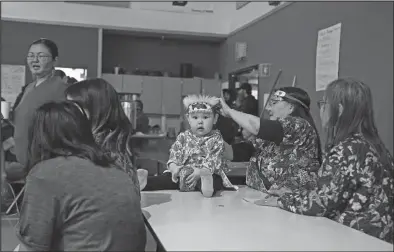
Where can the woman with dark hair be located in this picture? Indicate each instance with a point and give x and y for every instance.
(355, 181)
(111, 128)
(41, 59)
(287, 145)
(299, 102)
(69, 202)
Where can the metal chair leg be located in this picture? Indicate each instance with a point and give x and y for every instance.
(15, 200)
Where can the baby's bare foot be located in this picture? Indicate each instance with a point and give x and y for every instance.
(206, 183)
(142, 178)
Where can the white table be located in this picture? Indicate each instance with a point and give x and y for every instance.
(188, 222)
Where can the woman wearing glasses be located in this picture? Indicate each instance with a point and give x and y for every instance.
(355, 181)
(41, 59)
(287, 145)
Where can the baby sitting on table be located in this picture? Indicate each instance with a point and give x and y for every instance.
(198, 152)
(196, 159)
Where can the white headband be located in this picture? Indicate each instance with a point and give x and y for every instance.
(281, 94)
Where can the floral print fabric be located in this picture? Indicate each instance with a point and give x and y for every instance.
(354, 188)
(191, 151)
(291, 164)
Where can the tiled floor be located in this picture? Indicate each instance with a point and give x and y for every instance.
(9, 240)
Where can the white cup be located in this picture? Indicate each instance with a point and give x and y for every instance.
(5, 109)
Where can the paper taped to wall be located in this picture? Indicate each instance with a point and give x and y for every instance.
(13, 78)
(327, 56)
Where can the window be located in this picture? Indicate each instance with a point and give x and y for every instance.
(79, 74)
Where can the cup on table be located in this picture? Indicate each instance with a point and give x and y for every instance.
(5, 109)
(116, 70)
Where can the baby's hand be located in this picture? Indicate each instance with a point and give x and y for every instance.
(174, 169)
(194, 176)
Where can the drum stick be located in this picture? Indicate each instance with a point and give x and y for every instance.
(272, 90)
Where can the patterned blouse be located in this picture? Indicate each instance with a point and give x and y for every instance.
(291, 161)
(354, 188)
(191, 151)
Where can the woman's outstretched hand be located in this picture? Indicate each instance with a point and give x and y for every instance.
(271, 202)
(225, 110)
(279, 192)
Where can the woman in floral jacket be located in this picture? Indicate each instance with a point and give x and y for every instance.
(287, 145)
(355, 181)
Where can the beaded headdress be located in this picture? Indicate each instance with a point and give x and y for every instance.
(279, 95)
(200, 104)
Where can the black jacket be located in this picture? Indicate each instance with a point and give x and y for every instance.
(249, 105)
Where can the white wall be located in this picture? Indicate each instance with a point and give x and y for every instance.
(248, 13)
(111, 17)
(142, 16)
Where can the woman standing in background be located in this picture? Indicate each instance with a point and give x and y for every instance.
(41, 60)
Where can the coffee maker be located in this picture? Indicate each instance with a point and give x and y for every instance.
(130, 107)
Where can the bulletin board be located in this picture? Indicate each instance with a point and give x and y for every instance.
(13, 78)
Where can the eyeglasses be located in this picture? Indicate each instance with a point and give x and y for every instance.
(40, 57)
(274, 100)
(321, 103)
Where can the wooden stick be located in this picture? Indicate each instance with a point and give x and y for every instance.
(294, 81)
(272, 90)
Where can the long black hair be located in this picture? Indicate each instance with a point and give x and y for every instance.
(302, 111)
(110, 126)
(62, 129)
